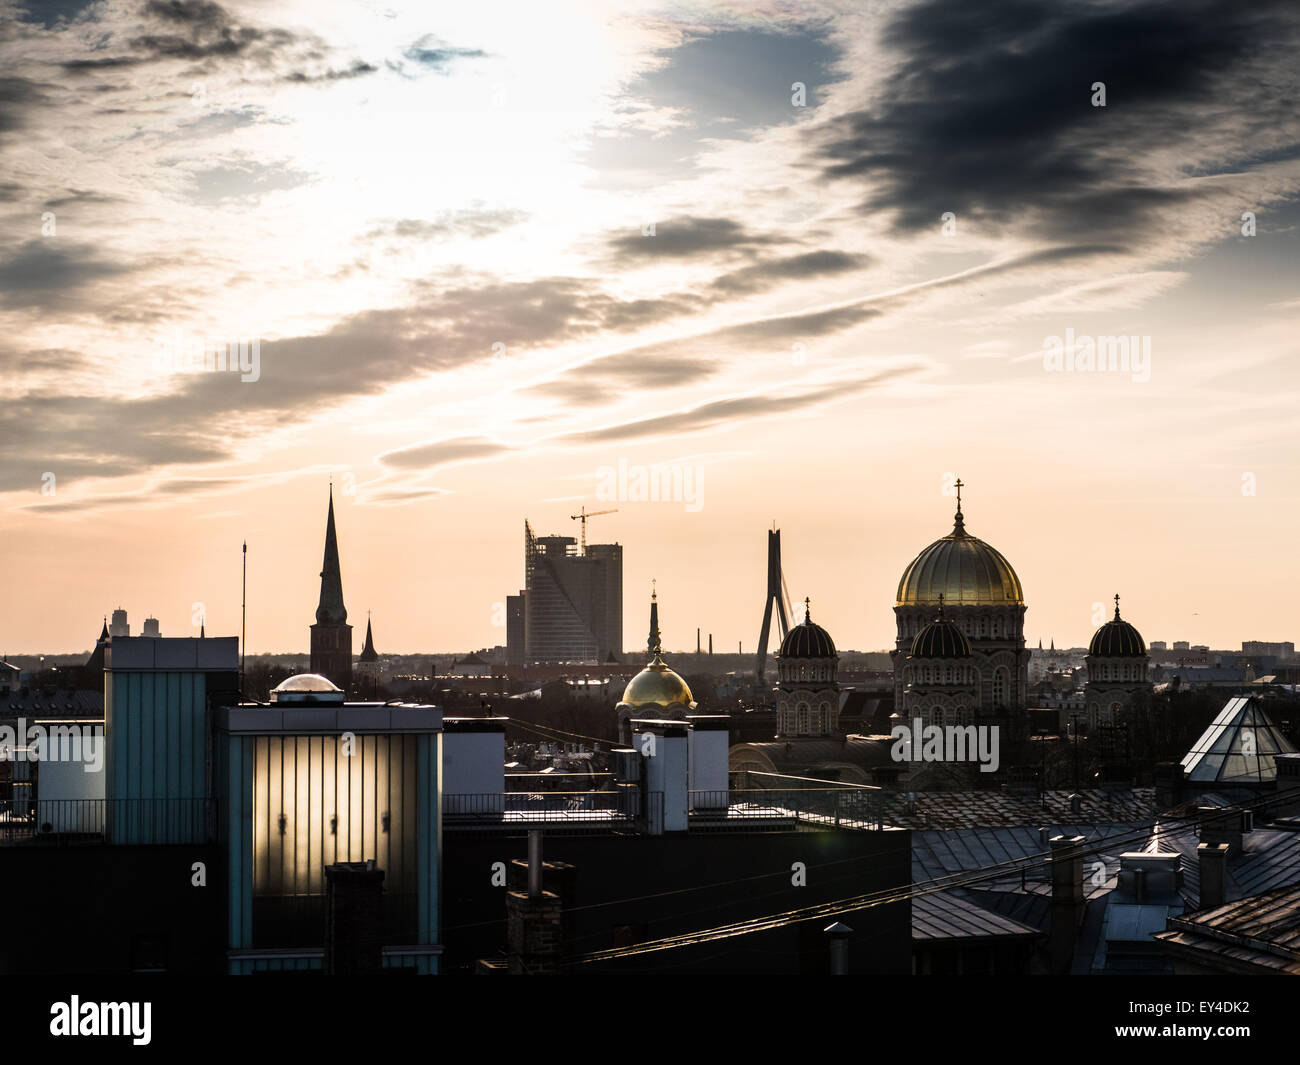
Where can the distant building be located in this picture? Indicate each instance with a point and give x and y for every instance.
(1158, 645)
(981, 594)
(656, 692)
(331, 636)
(1261, 649)
(940, 679)
(515, 629)
(368, 663)
(119, 626)
(1182, 645)
(807, 693)
(1118, 673)
(150, 628)
(573, 603)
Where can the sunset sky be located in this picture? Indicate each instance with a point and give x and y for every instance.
(493, 250)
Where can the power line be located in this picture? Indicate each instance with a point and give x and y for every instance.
(871, 900)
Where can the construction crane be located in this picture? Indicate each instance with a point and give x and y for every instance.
(582, 516)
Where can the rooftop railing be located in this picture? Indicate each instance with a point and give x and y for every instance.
(571, 812)
(122, 821)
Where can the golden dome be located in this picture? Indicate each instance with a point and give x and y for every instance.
(964, 570)
(657, 685)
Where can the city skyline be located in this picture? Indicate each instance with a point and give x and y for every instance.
(809, 270)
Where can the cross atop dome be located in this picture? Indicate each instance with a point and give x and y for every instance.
(807, 610)
(957, 524)
(1117, 606)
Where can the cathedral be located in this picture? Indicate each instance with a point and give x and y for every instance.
(966, 587)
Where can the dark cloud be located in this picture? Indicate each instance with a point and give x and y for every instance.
(17, 97)
(689, 238)
(358, 69)
(763, 275)
(989, 113)
(50, 273)
(191, 30)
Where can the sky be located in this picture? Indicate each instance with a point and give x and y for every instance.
(788, 263)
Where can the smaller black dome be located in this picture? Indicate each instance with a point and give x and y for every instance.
(1117, 639)
(942, 638)
(807, 640)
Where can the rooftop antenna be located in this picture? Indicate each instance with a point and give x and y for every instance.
(243, 620)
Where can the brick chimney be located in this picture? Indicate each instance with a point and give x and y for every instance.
(534, 921)
(1068, 900)
(1213, 861)
(354, 919)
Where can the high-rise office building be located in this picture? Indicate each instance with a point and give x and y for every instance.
(573, 602)
(119, 625)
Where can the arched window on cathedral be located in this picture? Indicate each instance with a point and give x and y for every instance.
(999, 687)
(803, 719)
(824, 712)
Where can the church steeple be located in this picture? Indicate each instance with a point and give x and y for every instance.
(331, 636)
(331, 610)
(368, 652)
(653, 645)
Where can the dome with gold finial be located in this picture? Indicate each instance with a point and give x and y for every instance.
(960, 570)
(656, 687)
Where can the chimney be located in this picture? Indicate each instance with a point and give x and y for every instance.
(839, 934)
(1221, 824)
(354, 918)
(710, 643)
(1067, 901)
(1076, 803)
(1169, 785)
(534, 921)
(1212, 858)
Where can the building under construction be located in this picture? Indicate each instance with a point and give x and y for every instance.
(572, 602)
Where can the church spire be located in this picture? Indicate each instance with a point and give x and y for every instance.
(653, 645)
(958, 523)
(368, 652)
(331, 610)
(1116, 606)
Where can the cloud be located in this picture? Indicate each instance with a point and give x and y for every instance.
(444, 452)
(720, 413)
(686, 237)
(988, 112)
(436, 54)
(51, 273)
(472, 223)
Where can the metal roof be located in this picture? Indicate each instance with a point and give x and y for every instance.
(945, 916)
(1262, 931)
